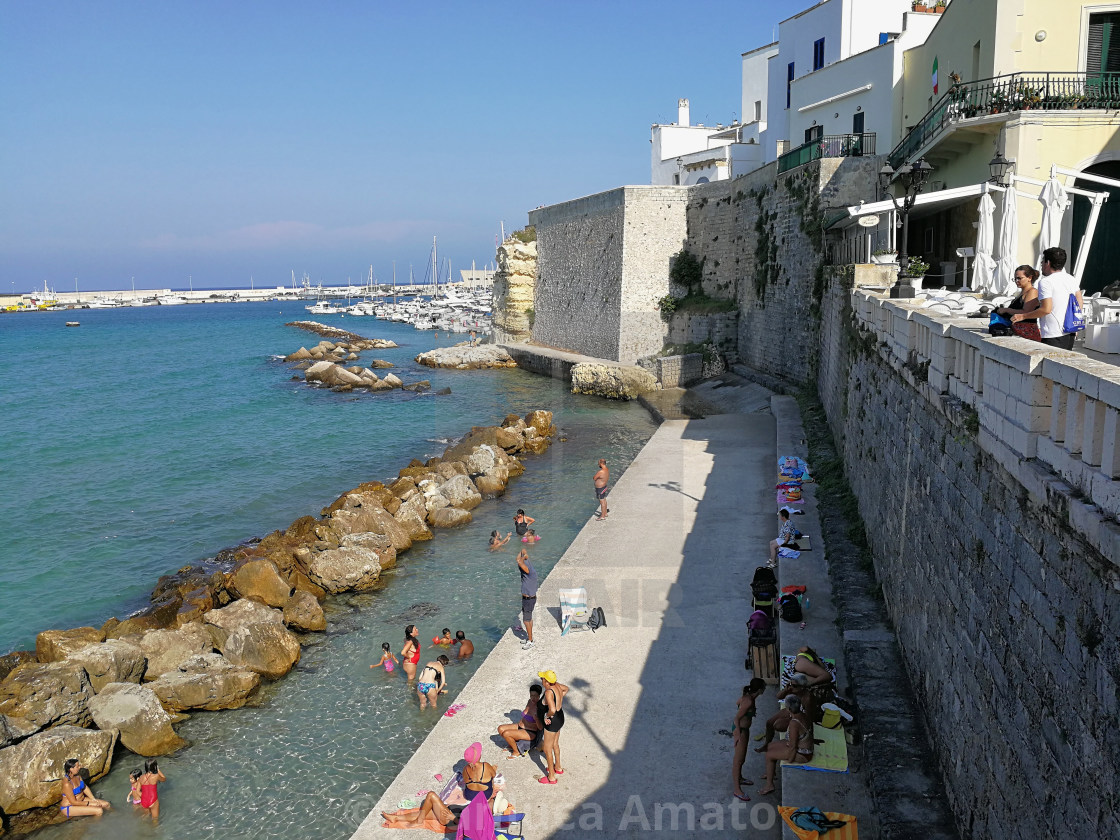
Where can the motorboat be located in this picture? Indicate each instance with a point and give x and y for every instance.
(323, 308)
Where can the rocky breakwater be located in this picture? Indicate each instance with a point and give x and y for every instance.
(323, 365)
(465, 357)
(211, 635)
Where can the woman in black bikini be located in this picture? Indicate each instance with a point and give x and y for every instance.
(551, 713)
(796, 749)
(744, 714)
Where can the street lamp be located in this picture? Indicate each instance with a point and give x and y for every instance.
(680, 170)
(913, 177)
(999, 165)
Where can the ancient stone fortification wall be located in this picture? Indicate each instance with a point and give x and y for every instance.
(720, 329)
(603, 264)
(514, 287)
(1002, 580)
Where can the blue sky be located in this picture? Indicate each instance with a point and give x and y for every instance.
(227, 140)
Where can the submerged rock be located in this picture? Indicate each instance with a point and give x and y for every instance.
(136, 713)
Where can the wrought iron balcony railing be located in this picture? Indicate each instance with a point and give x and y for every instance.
(828, 146)
(1013, 92)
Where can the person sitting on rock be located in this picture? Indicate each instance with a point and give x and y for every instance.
(432, 681)
(77, 796)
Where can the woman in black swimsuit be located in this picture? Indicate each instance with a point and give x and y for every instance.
(521, 522)
(550, 712)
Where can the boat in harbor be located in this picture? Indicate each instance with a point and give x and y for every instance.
(323, 307)
(73, 323)
(171, 300)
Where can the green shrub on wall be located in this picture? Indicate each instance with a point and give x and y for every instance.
(527, 234)
(687, 272)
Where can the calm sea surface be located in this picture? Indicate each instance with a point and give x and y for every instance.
(150, 438)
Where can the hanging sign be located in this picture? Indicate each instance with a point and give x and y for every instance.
(868, 221)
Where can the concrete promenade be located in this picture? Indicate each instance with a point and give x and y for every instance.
(671, 567)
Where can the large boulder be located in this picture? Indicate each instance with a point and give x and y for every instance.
(136, 713)
(259, 580)
(433, 498)
(250, 635)
(461, 493)
(542, 421)
(166, 650)
(47, 694)
(300, 355)
(113, 661)
(392, 380)
(10, 661)
(156, 617)
(362, 513)
(56, 645)
(316, 372)
(14, 729)
(413, 517)
(207, 681)
(449, 469)
(615, 382)
(536, 445)
(482, 460)
(489, 487)
(449, 517)
(465, 357)
(509, 439)
(31, 771)
(341, 569)
(303, 612)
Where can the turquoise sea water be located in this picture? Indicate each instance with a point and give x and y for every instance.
(149, 438)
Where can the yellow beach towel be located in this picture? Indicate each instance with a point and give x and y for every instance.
(831, 754)
(848, 832)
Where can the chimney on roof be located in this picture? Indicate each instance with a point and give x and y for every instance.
(682, 112)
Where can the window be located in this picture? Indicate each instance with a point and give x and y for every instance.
(818, 54)
(758, 110)
(789, 82)
(1103, 55)
(857, 122)
(814, 133)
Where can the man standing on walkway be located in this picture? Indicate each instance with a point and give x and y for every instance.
(602, 477)
(1054, 289)
(528, 595)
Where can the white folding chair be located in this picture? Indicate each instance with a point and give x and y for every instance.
(573, 610)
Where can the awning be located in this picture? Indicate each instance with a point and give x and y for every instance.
(924, 205)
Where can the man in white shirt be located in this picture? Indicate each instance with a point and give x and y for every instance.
(1054, 289)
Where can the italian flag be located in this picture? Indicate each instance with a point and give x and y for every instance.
(935, 74)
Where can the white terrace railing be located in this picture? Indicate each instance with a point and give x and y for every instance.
(1051, 417)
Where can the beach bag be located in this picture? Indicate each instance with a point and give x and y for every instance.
(597, 619)
(999, 325)
(1027, 329)
(789, 607)
(1075, 318)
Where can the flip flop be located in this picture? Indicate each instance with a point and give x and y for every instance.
(559, 772)
(745, 782)
(742, 797)
(544, 781)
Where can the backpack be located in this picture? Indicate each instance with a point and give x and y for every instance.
(789, 608)
(999, 325)
(597, 619)
(759, 622)
(1075, 318)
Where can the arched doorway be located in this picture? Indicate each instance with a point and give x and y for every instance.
(1103, 266)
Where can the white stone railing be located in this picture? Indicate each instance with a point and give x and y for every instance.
(1051, 417)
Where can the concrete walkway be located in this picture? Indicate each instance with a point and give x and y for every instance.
(671, 567)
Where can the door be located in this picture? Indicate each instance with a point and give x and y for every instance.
(1103, 266)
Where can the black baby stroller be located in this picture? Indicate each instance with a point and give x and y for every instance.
(764, 590)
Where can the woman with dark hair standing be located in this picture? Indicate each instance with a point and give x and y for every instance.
(410, 653)
(1027, 301)
(149, 788)
(77, 799)
(521, 522)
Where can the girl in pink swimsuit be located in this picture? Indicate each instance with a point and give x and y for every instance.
(387, 659)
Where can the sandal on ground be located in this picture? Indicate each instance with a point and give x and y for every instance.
(742, 797)
(512, 755)
(545, 781)
(558, 772)
(766, 791)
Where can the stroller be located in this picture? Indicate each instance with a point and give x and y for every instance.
(764, 590)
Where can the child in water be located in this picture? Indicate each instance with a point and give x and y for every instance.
(445, 639)
(530, 537)
(134, 793)
(387, 659)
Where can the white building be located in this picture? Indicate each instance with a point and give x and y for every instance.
(688, 154)
(835, 71)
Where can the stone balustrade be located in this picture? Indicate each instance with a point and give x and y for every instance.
(1051, 417)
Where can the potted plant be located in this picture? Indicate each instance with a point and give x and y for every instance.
(884, 256)
(920, 7)
(999, 101)
(915, 269)
(939, 8)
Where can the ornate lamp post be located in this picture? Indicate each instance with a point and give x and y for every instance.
(680, 171)
(913, 177)
(999, 165)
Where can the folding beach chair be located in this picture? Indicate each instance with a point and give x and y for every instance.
(573, 610)
(504, 825)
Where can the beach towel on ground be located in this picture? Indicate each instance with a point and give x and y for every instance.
(831, 755)
(849, 832)
(788, 494)
(792, 467)
(788, 552)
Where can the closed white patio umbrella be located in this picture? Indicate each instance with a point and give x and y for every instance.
(983, 266)
(1054, 198)
(1004, 281)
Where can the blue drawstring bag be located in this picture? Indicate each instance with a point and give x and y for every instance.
(1075, 317)
(999, 325)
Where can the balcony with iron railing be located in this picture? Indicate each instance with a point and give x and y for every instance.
(1007, 94)
(828, 146)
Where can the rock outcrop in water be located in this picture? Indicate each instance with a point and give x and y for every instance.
(336, 332)
(213, 633)
(465, 357)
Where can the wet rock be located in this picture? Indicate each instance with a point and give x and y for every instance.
(464, 357)
(443, 392)
(413, 517)
(259, 580)
(541, 421)
(9, 662)
(156, 617)
(136, 713)
(195, 604)
(253, 636)
(482, 461)
(509, 440)
(380, 363)
(207, 681)
(449, 517)
(166, 650)
(615, 382)
(489, 487)
(56, 645)
(342, 569)
(303, 612)
(461, 493)
(47, 694)
(113, 661)
(425, 609)
(26, 767)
